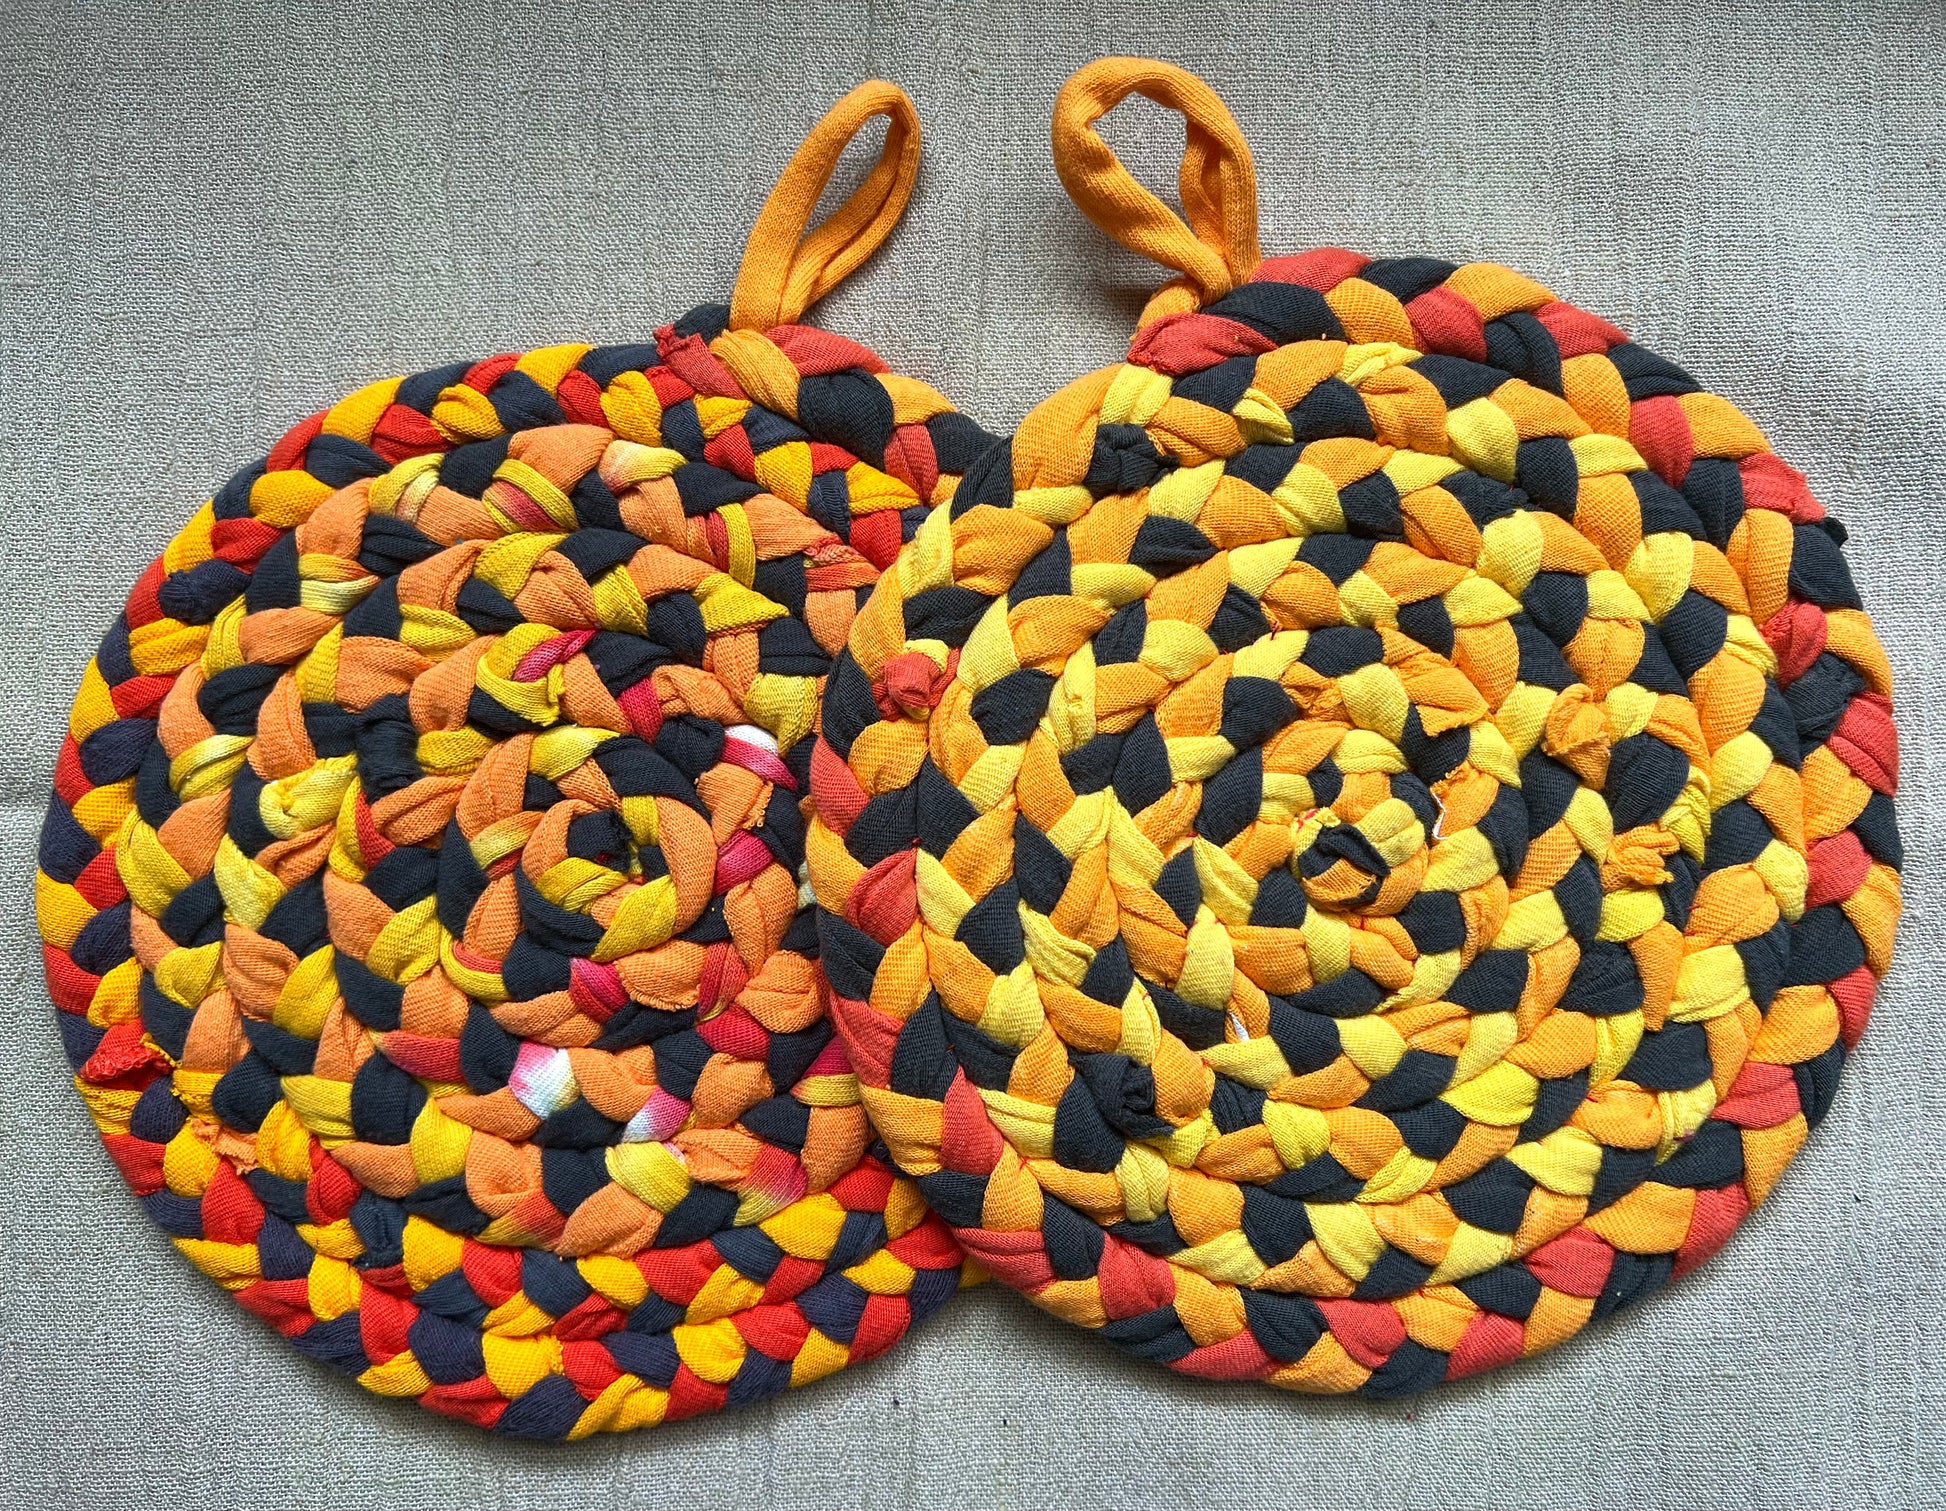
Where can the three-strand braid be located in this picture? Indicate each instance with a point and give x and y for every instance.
(1361, 838)
(420, 890)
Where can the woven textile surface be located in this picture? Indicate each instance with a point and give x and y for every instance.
(216, 225)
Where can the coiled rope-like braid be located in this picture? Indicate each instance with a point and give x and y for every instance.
(1361, 839)
(420, 891)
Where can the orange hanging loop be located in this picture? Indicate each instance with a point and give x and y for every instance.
(1217, 249)
(787, 268)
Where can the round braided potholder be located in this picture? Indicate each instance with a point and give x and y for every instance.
(421, 889)
(1361, 839)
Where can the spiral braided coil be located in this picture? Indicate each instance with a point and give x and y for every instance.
(1359, 842)
(420, 891)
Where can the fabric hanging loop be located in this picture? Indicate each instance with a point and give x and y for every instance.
(1216, 249)
(788, 266)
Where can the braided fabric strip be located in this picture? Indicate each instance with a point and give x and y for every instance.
(1361, 839)
(421, 898)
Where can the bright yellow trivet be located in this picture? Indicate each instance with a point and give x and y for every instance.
(1359, 841)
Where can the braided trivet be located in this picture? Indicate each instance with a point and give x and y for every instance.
(1360, 840)
(420, 891)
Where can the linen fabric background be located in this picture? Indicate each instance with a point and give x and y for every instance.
(218, 217)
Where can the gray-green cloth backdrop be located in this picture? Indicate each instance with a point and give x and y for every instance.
(216, 218)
